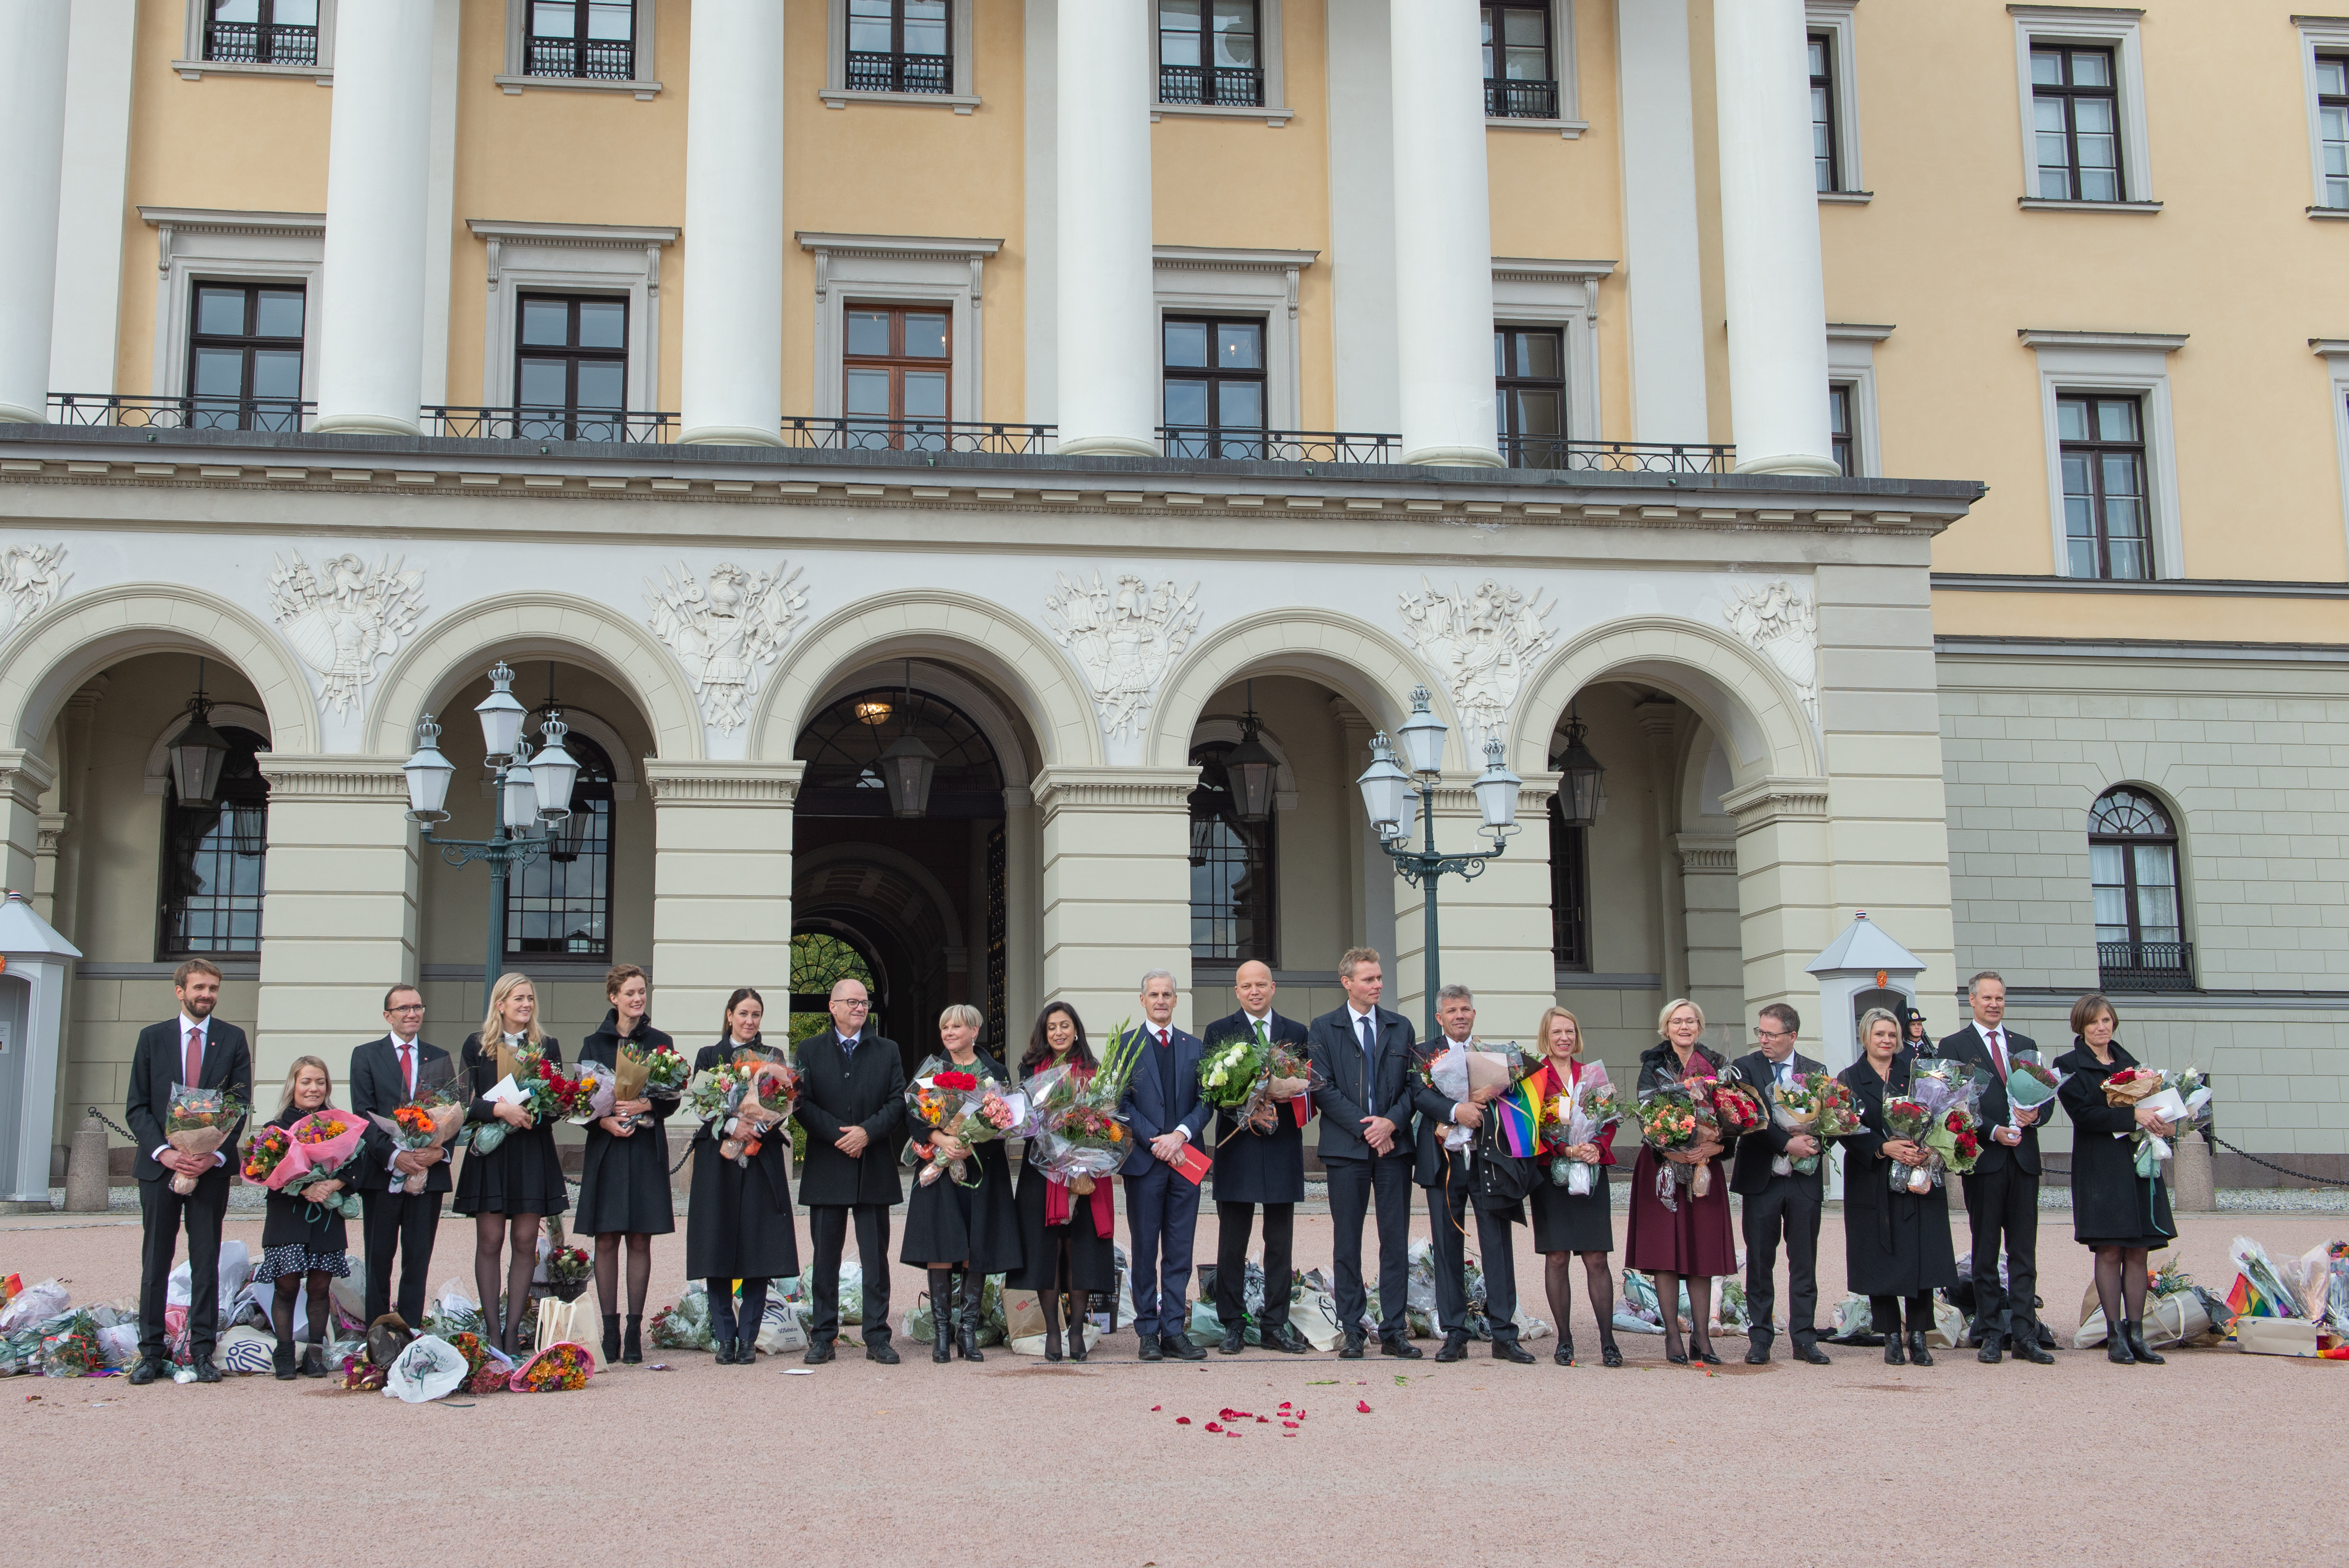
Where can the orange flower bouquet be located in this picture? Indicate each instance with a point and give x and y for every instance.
(428, 1121)
(198, 1122)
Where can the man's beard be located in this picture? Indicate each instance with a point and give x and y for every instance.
(199, 1007)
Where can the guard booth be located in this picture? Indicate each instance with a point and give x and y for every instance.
(1861, 969)
(33, 964)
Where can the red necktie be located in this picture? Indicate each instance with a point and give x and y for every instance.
(195, 1062)
(1163, 1041)
(407, 1068)
(1998, 1052)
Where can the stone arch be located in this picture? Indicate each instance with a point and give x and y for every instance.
(74, 639)
(1739, 695)
(950, 626)
(884, 878)
(450, 653)
(1373, 670)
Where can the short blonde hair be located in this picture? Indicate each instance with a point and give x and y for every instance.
(963, 1013)
(1664, 1018)
(1541, 1030)
(1867, 1022)
(1356, 956)
(286, 1098)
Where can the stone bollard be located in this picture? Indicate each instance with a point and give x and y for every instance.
(86, 1173)
(2191, 1190)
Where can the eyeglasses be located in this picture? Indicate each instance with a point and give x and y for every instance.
(406, 1007)
(1774, 1034)
(855, 1007)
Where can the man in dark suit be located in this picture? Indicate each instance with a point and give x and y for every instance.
(1779, 1200)
(199, 1050)
(853, 1104)
(1360, 1056)
(2002, 1194)
(1263, 1163)
(1444, 1167)
(1162, 1206)
(387, 1074)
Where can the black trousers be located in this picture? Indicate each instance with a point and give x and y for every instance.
(1354, 1184)
(2003, 1206)
(164, 1213)
(828, 1224)
(404, 1223)
(1447, 1216)
(1234, 1221)
(1789, 1207)
(723, 1317)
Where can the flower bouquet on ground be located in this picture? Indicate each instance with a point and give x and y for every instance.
(558, 1368)
(655, 1072)
(1582, 1115)
(568, 1271)
(318, 1166)
(487, 1370)
(1674, 1117)
(2180, 1098)
(198, 1122)
(428, 1122)
(1817, 1105)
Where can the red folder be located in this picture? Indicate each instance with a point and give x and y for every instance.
(1193, 1163)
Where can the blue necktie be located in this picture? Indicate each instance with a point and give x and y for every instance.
(1370, 1059)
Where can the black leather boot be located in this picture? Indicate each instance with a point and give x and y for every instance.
(942, 1315)
(1893, 1355)
(2116, 1346)
(1918, 1356)
(1048, 1303)
(632, 1345)
(611, 1337)
(2135, 1330)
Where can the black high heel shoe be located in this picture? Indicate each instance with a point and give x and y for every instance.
(1675, 1351)
(611, 1338)
(1079, 1303)
(632, 1344)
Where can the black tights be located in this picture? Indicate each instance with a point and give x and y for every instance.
(281, 1306)
(1557, 1273)
(1884, 1312)
(489, 1236)
(608, 1271)
(1667, 1304)
(2121, 1285)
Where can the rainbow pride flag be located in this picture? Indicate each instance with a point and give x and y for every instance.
(1520, 1111)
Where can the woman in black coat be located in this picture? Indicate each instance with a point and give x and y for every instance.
(1896, 1244)
(2118, 1214)
(741, 1225)
(510, 1187)
(1068, 1230)
(299, 1240)
(624, 1176)
(949, 1225)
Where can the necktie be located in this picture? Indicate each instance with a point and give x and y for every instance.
(195, 1063)
(1998, 1052)
(1261, 1040)
(1786, 1073)
(847, 1050)
(1370, 1058)
(407, 1068)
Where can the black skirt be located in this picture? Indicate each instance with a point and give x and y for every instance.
(947, 1222)
(523, 1174)
(1093, 1257)
(1564, 1222)
(739, 1225)
(624, 1182)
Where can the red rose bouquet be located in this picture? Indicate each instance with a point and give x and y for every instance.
(1938, 1115)
(1819, 1106)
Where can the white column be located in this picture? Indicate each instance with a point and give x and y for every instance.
(1444, 235)
(1771, 273)
(1108, 314)
(1660, 233)
(733, 391)
(32, 133)
(378, 165)
(95, 171)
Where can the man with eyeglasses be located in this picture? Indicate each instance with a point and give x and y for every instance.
(1778, 1199)
(387, 1074)
(853, 1104)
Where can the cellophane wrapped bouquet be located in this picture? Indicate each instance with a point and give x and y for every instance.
(320, 1163)
(2031, 1085)
(520, 1067)
(1735, 1105)
(1581, 1115)
(965, 1106)
(1079, 1130)
(1238, 1075)
(198, 1121)
(2180, 1098)
(568, 1270)
(1937, 1114)
(428, 1122)
(1817, 1105)
(755, 1091)
(1456, 1072)
(648, 1072)
(556, 1095)
(1674, 1117)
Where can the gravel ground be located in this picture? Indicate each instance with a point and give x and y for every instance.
(834, 1464)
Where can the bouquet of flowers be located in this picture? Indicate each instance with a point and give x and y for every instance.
(1674, 1117)
(1735, 1104)
(73, 1350)
(952, 1101)
(263, 1152)
(1580, 1116)
(568, 1270)
(1956, 1141)
(770, 1086)
(1457, 1073)
(2030, 1084)
(655, 1072)
(2180, 1098)
(518, 1069)
(326, 1145)
(428, 1121)
(556, 1369)
(1238, 1074)
(1818, 1105)
(1082, 1134)
(1938, 1115)
(551, 1096)
(198, 1121)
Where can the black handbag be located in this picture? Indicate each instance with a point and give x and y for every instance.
(1496, 1173)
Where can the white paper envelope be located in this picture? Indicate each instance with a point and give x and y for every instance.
(507, 1092)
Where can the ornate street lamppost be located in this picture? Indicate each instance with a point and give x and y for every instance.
(1393, 803)
(531, 789)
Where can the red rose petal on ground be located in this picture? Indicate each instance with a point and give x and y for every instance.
(1214, 1427)
(1363, 1407)
(1260, 1420)
(1181, 1420)
(1153, 1407)
(1290, 1425)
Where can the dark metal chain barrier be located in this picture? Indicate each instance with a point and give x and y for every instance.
(99, 1115)
(2271, 1165)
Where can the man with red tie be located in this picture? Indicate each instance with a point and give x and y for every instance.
(2003, 1192)
(387, 1074)
(1162, 1106)
(198, 1049)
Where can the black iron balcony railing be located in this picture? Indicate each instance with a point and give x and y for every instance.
(190, 413)
(1560, 454)
(874, 72)
(2145, 965)
(1238, 86)
(260, 44)
(1512, 99)
(1278, 446)
(596, 60)
(859, 433)
(525, 423)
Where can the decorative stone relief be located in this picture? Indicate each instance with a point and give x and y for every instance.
(727, 632)
(345, 617)
(1778, 622)
(32, 576)
(1125, 640)
(1481, 645)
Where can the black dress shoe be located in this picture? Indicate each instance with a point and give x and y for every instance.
(1992, 1350)
(146, 1372)
(1148, 1347)
(723, 1351)
(205, 1371)
(1179, 1346)
(314, 1361)
(1758, 1353)
(1400, 1347)
(1234, 1340)
(280, 1363)
(1564, 1353)
(1704, 1354)
(1350, 1351)
(2029, 1350)
(1918, 1356)
(1609, 1355)
(1455, 1346)
(1812, 1354)
(882, 1352)
(2133, 1332)
(1893, 1355)
(1676, 1357)
(818, 1351)
(1284, 1338)
(1510, 1350)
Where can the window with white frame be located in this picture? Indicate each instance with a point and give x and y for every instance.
(598, 46)
(1545, 356)
(258, 37)
(2080, 77)
(2112, 454)
(1851, 397)
(1239, 288)
(899, 51)
(1528, 53)
(1217, 59)
(1834, 55)
(2325, 63)
(600, 280)
(272, 253)
(904, 287)
(2334, 352)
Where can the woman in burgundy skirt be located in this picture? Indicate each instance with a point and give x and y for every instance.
(1691, 1240)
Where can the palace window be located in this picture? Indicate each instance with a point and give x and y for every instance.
(897, 365)
(900, 47)
(1840, 438)
(2132, 866)
(261, 32)
(1826, 150)
(590, 39)
(1520, 82)
(2332, 127)
(1208, 53)
(570, 367)
(1231, 871)
(244, 357)
(1529, 395)
(1214, 386)
(2106, 526)
(212, 858)
(2075, 116)
(560, 905)
(1569, 891)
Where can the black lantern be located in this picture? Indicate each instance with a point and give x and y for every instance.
(1579, 773)
(1248, 769)
(909, 765)
(199, 751)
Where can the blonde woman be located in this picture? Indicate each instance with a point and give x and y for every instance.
(1895, 1245)
(299, 1240)
(511, 1188)
(1691, 1241)
(950, 1227)
(1567, 1224)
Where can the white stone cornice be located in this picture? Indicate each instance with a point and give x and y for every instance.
(24, 777)
(347, 777)
(1134, 790)
(1777, 798)
(1701, 854)
(170, 222)
(1539, 270)
(696, 783)
(2049, 337)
